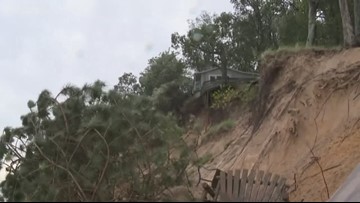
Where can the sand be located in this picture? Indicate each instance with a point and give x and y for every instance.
(312, 128)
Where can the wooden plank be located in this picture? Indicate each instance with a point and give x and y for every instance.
(223, 194)
(229, 184)
(256, 186)
(222, 182)
(217, 191)
(216, 178)
(236, 184)
(264, 185)
(284, 193)
(278, 191)
(270, 189)
(244, 175)
(249, 186)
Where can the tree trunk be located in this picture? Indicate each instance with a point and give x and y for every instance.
(348, 30)
(224, 75)
(357, 20)
(223, 63)
(313, 4)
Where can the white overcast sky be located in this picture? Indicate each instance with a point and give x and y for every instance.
(45, 44)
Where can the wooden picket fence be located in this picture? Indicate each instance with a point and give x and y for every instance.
(242, 186)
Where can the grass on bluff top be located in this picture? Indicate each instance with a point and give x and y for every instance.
(222, 127)
(288, 50)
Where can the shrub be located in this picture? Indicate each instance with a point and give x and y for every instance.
(224, 126)
(224, 97)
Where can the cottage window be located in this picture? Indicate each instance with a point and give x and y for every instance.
(212, 78)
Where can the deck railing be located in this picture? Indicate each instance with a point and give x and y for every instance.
(209, 85)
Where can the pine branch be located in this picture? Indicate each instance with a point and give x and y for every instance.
(13, 149)
(141, 142)
(9, 166)
(78, 145)
(61, 150)
(63, 168)
(106, 163)
(64, 117)
(34, 171)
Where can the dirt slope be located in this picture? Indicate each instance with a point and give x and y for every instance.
(313, 105)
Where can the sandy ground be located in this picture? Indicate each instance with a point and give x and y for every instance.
(313, 127)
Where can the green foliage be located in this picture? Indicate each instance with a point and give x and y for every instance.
(284, 23)
(222, 127)
(290, 50)
(236, 40)
(31, 104)
(128, 85)
(169, 97)
(93, 141)
(198, 125)
(216, 41)
(167, 82)
(261, 19)
(248, 93)
(293, 25)
(162, 69)
(329, 26)
(80, 149)
(223, 97)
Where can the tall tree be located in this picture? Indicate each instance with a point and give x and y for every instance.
(313, 5)
(292, 25)
(128, 85)
(162, 69)
(95, 146)
(329, 24)
(348, 30)
(167, 81)
(222, 41)
(357, 20)
(263, 16)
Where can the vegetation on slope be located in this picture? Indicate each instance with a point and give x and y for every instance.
(88, 144)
